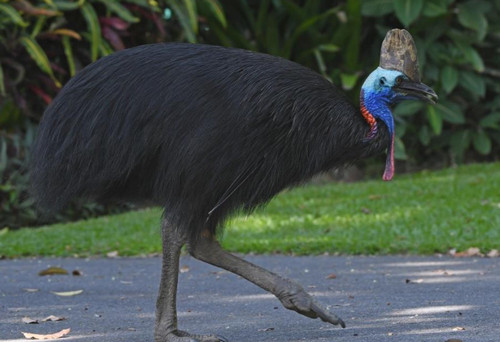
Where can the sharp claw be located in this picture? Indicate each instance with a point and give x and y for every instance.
(327, 317)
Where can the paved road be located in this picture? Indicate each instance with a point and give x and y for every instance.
(445, 298)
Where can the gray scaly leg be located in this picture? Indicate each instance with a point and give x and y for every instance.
(291, 294)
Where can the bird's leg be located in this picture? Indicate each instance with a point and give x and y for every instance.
(291, 294)
(166, 312)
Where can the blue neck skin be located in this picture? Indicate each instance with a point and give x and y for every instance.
(377, 104)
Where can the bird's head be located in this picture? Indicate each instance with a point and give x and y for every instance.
(396, 79)
(388, 87)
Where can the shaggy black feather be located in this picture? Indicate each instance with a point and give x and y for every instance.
(200, 130)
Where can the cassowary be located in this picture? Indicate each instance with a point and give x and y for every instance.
(204, 131)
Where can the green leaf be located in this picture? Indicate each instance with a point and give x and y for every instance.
(434, 8)
(328, 47)
(217, 11)
(408, 10)
(349, 80)
(473, 83)
(491, 121)
(320, 61)
(450, 112)
(459, 142)
(65, 5)
(152, 5)
(475, 59)
(399, 150)
(376, 8)
(94, 29)
(187, 16)
(435, 120)
(13, 15)
(424, 135)
(482, 142)
(115, 7)
(38, 55)
(449, 78)
(69, 55)
(470, 16)
(407, 108)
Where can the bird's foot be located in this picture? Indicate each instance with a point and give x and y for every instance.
(294, 297)
(183, 336)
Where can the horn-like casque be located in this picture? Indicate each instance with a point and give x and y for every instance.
(399, 52)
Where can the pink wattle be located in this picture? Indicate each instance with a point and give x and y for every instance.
(389, 162)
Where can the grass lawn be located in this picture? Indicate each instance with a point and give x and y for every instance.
(421, 213)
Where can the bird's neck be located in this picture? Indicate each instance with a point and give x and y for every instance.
(373, 107)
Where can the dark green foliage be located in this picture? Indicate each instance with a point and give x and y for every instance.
(43, 44)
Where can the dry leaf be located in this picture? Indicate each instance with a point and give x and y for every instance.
(454, 340)
(53, 271)
(31, 290)
(53, 318)
(113, 254)
(184, 269)
(59, 334)
(458, 329)
(28, 320)
(416, 281)
(76, 273)
(493, 253)
(266, 329)
(331, 276)
(67, 293)
(473, 251)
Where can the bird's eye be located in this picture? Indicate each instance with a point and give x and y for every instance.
(399, 79)
(382, 81)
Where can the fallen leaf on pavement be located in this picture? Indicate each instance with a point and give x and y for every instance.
(77, 273)
(52, 271)
(53, 318)
(493, 253)
(454, 340)
(67, 293)
(473, 251)
(28, 320)
(113, 254)
(59, 334)
(184, 269)
(331, 276)
(416, 281)
(31, 290)
(458, 329)
(266, 329)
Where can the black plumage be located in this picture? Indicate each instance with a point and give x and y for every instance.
(200, 130)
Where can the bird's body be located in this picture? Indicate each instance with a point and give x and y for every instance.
(204, 131)
(200, 130)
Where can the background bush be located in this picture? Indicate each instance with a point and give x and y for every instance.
(44, 43)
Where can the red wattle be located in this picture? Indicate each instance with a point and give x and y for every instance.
(389, 162)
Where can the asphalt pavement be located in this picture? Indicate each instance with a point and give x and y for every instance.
(395, 298)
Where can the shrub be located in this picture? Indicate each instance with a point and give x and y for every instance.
(43, 44)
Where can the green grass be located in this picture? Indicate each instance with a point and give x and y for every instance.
(422, 213)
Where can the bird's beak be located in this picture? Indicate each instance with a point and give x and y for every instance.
(411, 90)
